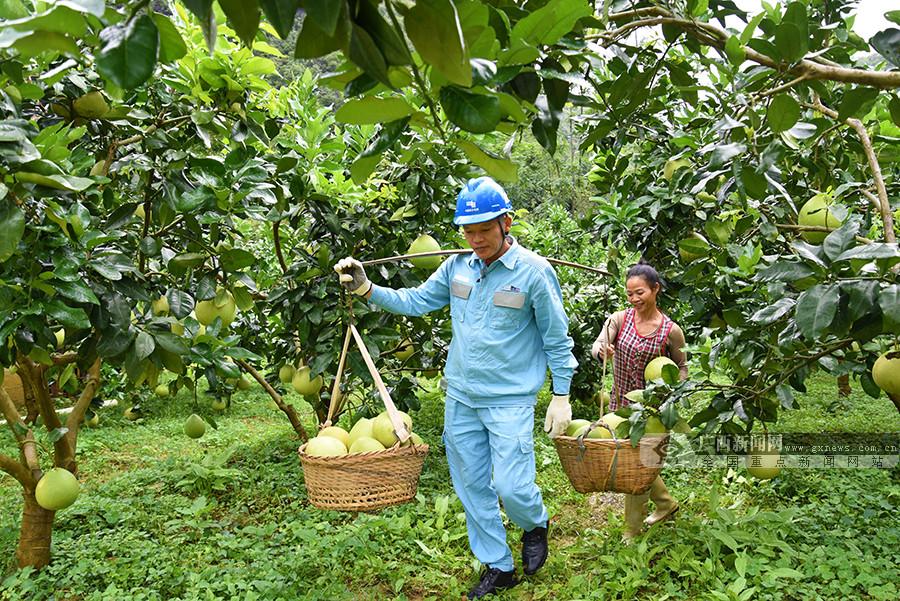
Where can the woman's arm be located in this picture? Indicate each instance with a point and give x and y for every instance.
(676, 350)
(605, 342)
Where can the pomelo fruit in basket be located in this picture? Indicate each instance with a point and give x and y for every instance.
(57, 489)
(653, 371)
(613, 421)
(383, 429)
(336, 432)
(365, 444)
(576, 425)
(763, 467)
(413, 439)
(362, 428)
(325, 446)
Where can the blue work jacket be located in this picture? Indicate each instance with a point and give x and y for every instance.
(508, 322)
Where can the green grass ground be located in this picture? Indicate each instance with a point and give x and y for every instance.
(162, 516)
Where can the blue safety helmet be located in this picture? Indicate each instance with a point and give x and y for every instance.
(480, 200)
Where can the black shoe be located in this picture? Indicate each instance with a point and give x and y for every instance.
(534, 549)
(493, 580)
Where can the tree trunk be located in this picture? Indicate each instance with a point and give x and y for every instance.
(35, 534)
(843, 383)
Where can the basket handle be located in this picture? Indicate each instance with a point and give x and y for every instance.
(400, 428)
(336, 397)
(611, 473)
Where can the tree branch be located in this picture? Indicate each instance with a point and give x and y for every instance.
(716, 37)
(884, 207)
(34, 377)
(286, 408)
(73, 422)
(17, 471)
(276, 236)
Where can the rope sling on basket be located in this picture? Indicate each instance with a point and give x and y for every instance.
(610, 465)
(370, 480)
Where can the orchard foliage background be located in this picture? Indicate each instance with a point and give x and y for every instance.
(208, 151)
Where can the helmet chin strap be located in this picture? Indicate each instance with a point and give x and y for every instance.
(503, 235)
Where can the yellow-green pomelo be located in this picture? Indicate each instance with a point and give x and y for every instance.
(361, 429)
(243, 383)
(764, 467)
(383, 429)
(195, 427)
(673, 165)
(162, 391)
(816, 213)
(610, 419)
(219, 404)
(414, 439)
(131, 414)
(222, 306)
(177, 328)
(693, 248)
(91, 105)
(93, 421)
(160, 306)
(654, 426)
(653, 371)
(886, 373)
(57, 489)
(286, 373)
(336, 432)
(575, 425)
(406, 350)
(325, 446)
(303, 385)
(424, 243)
(365, 444)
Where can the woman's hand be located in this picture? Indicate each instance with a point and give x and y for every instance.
(598, 349)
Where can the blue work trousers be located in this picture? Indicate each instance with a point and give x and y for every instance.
(490, 451)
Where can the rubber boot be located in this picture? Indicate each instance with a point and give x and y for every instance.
(635, 510)
(666, 506)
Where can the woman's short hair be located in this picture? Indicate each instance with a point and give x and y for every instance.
(644, 270)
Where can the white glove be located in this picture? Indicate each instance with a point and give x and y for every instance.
(353, 276)
(559, 414)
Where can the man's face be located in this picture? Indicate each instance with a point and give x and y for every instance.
(486, 238)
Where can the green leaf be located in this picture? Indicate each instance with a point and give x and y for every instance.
(434, 29)
(31, 44)
(816, 309)
(171, 44)
(476, 113)
(889, 301)
(200, 8)
(385, 138)
(187, 260)
(243, 16)
(860, 296)
(552, 21)
(281, 14)
(497, 167)
(839, 240)
(894, 108)
(795, 13)
(735, 52)
(326, 14)
(77, 291)
(887, 43)
(747, 34)
(877, 250)
(12, 228)
(56, 434)
(773, 312)
(143, 345)
(92, 7)
(59, 19)
(71, 317)
(180, 303)
(372, 109)
(236, 259)
(791, 44)
(868, 385)
(314, 42)
(383, 35)
(362, 167)
(129, 52)
(783, 112)
(893, 16)
(12, 9)
(857, 102)
(785, 271)
(242, 298)
(70, 183)
(366, 55)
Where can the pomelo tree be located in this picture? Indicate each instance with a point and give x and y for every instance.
(143, 155)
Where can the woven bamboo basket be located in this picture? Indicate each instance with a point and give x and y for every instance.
(364, 481)
(594, 465)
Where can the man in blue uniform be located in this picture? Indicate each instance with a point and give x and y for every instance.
(509, 325)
